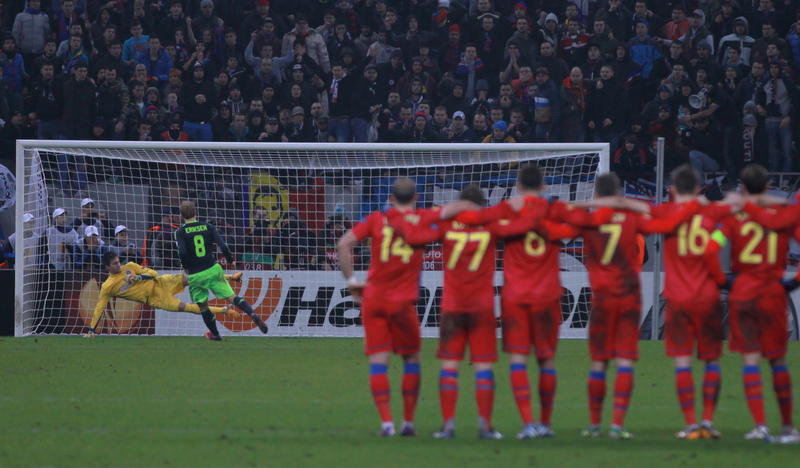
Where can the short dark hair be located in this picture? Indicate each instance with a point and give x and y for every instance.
(188, 210)
(404, 190)
(530, 177)
(607, 185)
(109, 257)
(754, 178)
(472, 193)
(685, 179)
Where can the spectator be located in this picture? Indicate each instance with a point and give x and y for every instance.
(314, 43)
(739, 38)
(769, 36)
(678, 26)
(629, 161)
(79, 104)
(479, 129)
(702, 141)
(556, 67)
(158, 249)
(156, 60)
(644, 49)
(91, 217)
(420, 132)
(574, 95)
(175, 132)
(371, 95)
(31, 29)
(135, 44)
(458, 132)
(776, 102)
(499, 134)
(62, 241)
(299, 130)
(544, 106)
(47, 101)
(123, 247)
(89, 255)
(607, 109)
(616, 16)
(272, 131)
(197, 98)
(238, 130)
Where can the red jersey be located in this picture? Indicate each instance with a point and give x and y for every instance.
(758, 255)
(394, 265)
(469, 264)
(688, 275)
(611, 249)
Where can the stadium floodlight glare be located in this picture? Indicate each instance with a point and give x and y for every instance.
(279, 206)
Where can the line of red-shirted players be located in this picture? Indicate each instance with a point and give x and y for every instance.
(532, 228)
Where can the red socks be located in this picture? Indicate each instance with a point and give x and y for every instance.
(623, 388)
(484, 395)
(448, 393)
(684, 385)
(381, 393)
(597, 392)
(547, 393)
(782, 383)
(754, 392)
(410, 388)
(521, 387)
(711, 384)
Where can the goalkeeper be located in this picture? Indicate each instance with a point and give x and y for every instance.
(197, 246)
(139, 284)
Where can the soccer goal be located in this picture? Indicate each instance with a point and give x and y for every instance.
(280, 207)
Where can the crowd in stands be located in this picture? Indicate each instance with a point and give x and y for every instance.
(718, 79)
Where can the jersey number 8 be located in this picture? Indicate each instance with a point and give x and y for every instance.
(199, 246)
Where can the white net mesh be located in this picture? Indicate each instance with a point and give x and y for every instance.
(280, 208)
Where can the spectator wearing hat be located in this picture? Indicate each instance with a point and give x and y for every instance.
(607, 109)
(31, 28)
(156, 60)
(272, 131)
(299, 130)
(314, 42)
(739, 38)
(543, 102)
(574, 96)
(458, 132)
(499, 134)
(62, 240)
(123, 246)
(197, 98)
(89, 254)
(697, 33)
(33, 244)
(450, 53)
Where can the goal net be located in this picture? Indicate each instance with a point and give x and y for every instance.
(280, 207)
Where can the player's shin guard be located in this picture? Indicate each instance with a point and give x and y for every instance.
(243, 305)
(782, 383)
(547, 393)
(211, 322)
(521, 387)
(484, 395)
(448, 393)
(381, 393)
(712, 381)
(410, 388)
(754, 392)
(623, 389)
(597, 393)
(684, 386)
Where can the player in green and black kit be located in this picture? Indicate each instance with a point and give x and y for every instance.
(197, 246)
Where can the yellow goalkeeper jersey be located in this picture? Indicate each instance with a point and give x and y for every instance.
(116, 286)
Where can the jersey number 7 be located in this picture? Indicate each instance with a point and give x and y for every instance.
(461, 239)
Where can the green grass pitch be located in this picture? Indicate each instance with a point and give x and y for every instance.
(173, 402)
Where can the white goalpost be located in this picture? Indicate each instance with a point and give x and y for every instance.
(279, 206)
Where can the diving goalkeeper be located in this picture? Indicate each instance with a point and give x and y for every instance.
(139, 284)
(197, 248)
